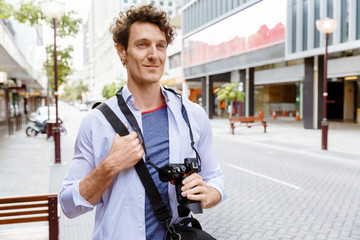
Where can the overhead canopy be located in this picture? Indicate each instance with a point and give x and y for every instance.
(14, 70)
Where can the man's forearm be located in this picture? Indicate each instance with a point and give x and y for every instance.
(95, 184)
(213, 197)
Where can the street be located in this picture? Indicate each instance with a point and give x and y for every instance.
(279, 193)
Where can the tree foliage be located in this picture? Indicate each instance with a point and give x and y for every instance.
(110, 90)
(230, 91)
(63, 63)
(74, 91)
(5, 10)
(30, 13)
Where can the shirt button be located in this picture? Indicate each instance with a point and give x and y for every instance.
(140, 224)
(140, 195)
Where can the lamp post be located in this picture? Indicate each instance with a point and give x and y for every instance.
(54, 10)
(326, 26)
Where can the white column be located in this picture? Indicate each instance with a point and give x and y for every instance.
(207, 94)
(352, 20)
(337, 16)
(311, 24)
(247, 86)
(185, 90)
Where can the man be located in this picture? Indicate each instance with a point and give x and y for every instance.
(102, 172)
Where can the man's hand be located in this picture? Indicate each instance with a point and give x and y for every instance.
(195, 188)
(125, 152)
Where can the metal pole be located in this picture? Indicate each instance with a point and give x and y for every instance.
(56, 129)
(324, 122)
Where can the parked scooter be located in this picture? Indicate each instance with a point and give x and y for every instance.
(34, 130)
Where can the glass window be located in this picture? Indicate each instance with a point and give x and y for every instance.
(330, 14)
(293, 35)
(175, 61)
(317, 17)
(358, 19)
(161, 3)
(344, 23)
(305, 20)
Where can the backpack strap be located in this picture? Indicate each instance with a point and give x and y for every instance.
(157, 203)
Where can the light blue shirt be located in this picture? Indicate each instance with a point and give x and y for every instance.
(121, 212)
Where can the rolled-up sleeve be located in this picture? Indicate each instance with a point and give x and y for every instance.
(210, 168)
(72, 203)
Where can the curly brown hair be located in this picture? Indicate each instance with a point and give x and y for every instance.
(120, 28)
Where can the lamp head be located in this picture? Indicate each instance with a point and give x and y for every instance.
(326, 25)
(53, 9)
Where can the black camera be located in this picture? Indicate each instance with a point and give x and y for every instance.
(176, 173)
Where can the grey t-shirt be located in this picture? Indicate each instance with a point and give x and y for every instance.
(156, 137)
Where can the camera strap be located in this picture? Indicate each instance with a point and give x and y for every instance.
(157, 203)
(135, 126)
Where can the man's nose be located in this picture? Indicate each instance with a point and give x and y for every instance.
(153, 52)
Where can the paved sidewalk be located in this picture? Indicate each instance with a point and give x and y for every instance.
(343, 138)
(27, 168)
(27, 164)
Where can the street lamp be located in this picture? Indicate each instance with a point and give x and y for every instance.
(54, 10)
(326, 26)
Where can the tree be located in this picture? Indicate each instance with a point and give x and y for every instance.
(110, 90)
(230, 91)
(30, 13)
(64, 64)
(74, 91)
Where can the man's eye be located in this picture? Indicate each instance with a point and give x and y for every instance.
(162, 46)
(141, 44)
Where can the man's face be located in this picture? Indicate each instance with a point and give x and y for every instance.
(146, 53)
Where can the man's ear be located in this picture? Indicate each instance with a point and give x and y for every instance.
(121, 51)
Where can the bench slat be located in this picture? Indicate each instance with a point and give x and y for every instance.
(23, 206)
(22, 213)
(35, 198)
(23, 220)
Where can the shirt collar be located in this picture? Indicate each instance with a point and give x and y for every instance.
(127, 95)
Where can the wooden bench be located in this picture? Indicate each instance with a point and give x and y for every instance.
(27, 209)
(247, 122)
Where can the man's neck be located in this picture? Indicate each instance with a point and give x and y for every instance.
(147, 97)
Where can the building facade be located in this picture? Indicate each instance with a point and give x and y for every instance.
(277, 55)
(20, 79)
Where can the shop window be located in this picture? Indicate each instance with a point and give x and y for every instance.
(358, 101)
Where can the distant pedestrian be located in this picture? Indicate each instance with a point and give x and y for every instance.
(102, 174)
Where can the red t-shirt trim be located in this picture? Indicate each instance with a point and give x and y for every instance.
(153, 110)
